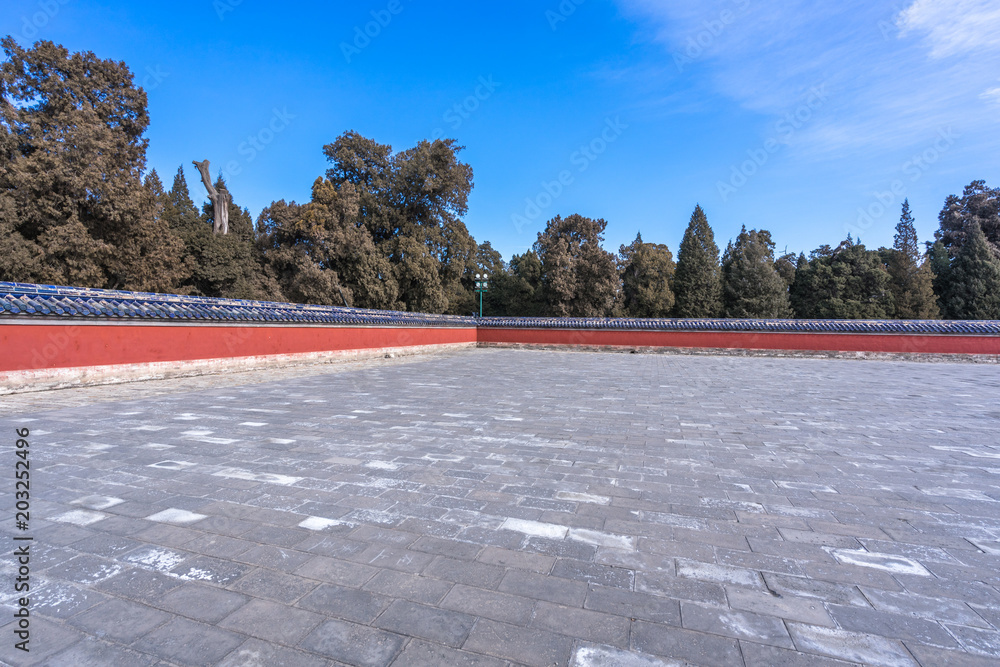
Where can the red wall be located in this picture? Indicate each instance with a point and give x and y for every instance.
(750, 341)
(28, 346)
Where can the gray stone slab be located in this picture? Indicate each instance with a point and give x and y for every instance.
(677, 644)
(354, 644)
(490, 604)
(185, 642)
(349, 604)
(271, 621)
(120, 620)
(537, 648)
(201, 602)
(423, 654)
(416, 620)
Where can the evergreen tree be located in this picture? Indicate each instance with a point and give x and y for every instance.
(517, 292)
(978, 204)
(71, 161)
(647, 271)
(798, 291)
(847, 283)
(911, 278)
(751, 286)
(697, 280)
(579, 278)
(785, 266)
(973, 286)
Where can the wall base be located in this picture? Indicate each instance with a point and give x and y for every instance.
(15, 382)
(734, 352)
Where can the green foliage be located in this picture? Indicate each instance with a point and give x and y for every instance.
(411, 204)
(578, 277)
(751, 286)
(978, 204)
(518, 291)
(849, 282)
(911, 278)
(74, 209)
(972, 288)
(647, 271)
(697, 280)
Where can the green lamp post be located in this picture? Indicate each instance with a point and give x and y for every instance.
(481, 286)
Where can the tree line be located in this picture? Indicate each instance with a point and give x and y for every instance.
(383, 229)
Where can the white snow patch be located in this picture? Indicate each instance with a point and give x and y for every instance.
(172, 465)
(280, 441)
(969, 452)
(722, 574)
(80, 517)
(161, 560)
(156, 445)
(602, 539)
(537, 528)
(583, 497)
(269, 478)
(886, 562)
(383, 465)
(806, 486)
(593, 655)
(196, 574)
(97, 502)
(253, 424)
(174, 515)
(964, 494)
(321, 523)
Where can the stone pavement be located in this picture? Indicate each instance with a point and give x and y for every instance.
(499, 507)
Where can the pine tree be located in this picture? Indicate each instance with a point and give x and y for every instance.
(579, 278)
(973, 282)
(751, 286)
(647, 270)
(849, 282)
(911, 277)
(697, 280)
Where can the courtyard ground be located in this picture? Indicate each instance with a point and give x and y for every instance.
(497, 507)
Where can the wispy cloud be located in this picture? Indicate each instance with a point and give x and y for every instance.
(954, 26)
(888, 89)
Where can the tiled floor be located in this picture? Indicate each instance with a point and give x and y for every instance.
(497, 507)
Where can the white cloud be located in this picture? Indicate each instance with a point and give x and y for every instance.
(954, 26)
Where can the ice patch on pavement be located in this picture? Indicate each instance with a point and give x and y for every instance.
(593, 655)
(583, 497)
(536, 528)
(321, 523)
(97, 502)
(383, 465)
(885, 562)
(80, 517)
(172, 465)
(174, 515)
(154, 558)
(600, 539)
(266, 477)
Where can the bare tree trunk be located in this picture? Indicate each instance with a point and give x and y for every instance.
(219, 198)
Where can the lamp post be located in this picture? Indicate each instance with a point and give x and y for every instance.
(481, 286)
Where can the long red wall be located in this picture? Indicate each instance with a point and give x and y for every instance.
(43, 346)
(888, 343)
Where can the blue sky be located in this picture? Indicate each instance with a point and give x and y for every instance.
(808, 119)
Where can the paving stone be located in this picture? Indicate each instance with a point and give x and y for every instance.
(682, 588)
(215, 570)
(465, 572)
(60, 600)
(353, 644)
(574, 622)
(593, 573)
(423, 654)
(975, 640)
(489, 604)
(92, 652)
(417, 620)
(762, 655)
(536, 648)
(850, 646)
(738, 624)
(188, 643)
(201, 602)
(932, 655)
(139, 585)
(335, 571)
(805, 610)
(276, 586)
(595, 655)
(518, 559)
(46, 638)
(271, 621)
(540, 587)
(450, 548)
(349, 604)
(416, 588)
(119, 620)
(258, 653)
(677, 644)
(898, 626)
(634, 605)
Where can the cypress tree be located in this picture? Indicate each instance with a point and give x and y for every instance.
(751, 286)
(697, 280)
(911, 277)
(647, 269)
(973, 280)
